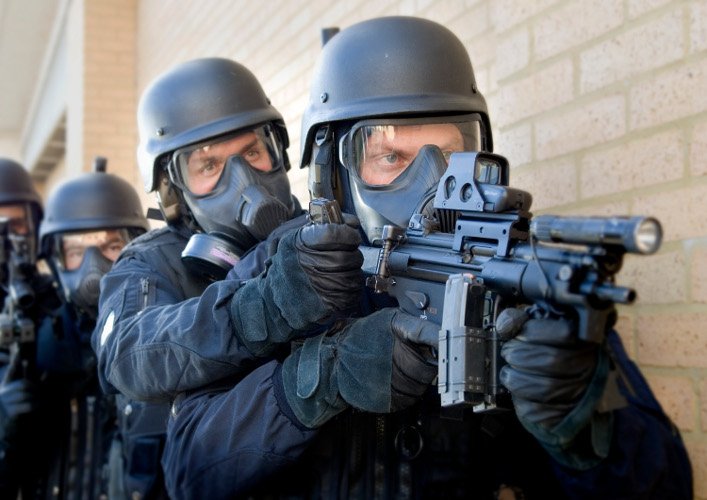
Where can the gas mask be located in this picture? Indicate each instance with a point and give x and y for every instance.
(394, 166)
(81, 286)
(236, 206)
(395, 203)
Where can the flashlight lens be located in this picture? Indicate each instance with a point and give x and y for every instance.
(648, 236)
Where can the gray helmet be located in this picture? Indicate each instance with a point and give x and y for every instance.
(16, 187)
(92, 201)
(192, 107)
(391, 66)
(198, 100)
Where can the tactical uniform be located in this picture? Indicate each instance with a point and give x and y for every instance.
(247, 442)
(27, 437)
(87, 217)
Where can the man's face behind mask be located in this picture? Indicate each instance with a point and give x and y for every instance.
(378, 151)
(18, 220)
(81, 259)
(198, 168)
(389, 149)
(74, 245)
(392, 178)
(235, 187)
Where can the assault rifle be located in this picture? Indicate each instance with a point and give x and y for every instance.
(481, 251)
(17, 332)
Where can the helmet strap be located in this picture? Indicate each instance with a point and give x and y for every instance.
(171, 202)
(321, 183)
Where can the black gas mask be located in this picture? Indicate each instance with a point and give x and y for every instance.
(237, 200)
(81, 286)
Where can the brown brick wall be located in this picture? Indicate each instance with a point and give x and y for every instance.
(109, 99)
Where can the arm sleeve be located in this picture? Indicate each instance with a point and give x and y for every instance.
(151, 343)
(647, 458)
(221, 444)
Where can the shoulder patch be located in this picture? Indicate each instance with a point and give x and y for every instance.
(107, 327)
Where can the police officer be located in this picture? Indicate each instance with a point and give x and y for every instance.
(27, 298)
(214, 149)
(351, 414)
(89, 220)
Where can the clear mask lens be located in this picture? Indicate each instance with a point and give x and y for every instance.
(197, 168)
(378, 151)
(19, 220)
(73, 246)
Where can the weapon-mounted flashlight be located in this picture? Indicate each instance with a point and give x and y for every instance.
(635, 234)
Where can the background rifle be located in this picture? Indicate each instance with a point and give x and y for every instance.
(17, 331)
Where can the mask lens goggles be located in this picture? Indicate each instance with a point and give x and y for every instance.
(197, 168)
(73, 246)
(19, 220)
(378, 151)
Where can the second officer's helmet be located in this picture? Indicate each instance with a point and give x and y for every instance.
(214, 148)
(88, 221)
(378, 83)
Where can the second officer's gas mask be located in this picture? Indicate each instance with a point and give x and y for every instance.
(394, 165)
(237, 190)
(82, 259)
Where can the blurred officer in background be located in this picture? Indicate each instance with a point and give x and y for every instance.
(174, 312)
(352, 414)
(28, 297)
(89, 220)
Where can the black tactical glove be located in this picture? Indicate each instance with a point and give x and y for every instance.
(556, 381)
(315, 272)
(17, 397)
(329, 255)
(379, 364)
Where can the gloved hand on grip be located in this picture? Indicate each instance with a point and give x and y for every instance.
(17, 397)
(329, 256)
(315, 272)
(380, 364)
(556, 381)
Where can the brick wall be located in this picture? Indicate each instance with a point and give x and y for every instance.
(110, 94)
(600, 106)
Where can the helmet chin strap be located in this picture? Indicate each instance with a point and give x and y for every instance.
(321, 173)
(172, 205)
